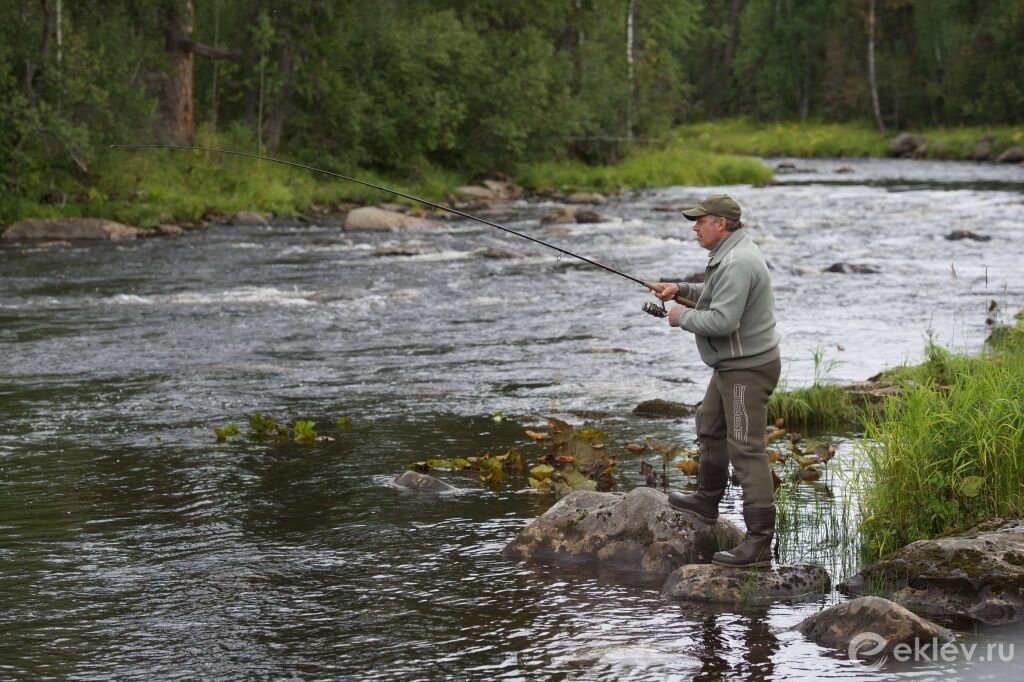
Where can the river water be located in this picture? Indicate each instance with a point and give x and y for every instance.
(134, 546)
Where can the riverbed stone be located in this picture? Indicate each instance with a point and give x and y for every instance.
(587, 198)
(69, 229)
(664, 408)
(957, 235)
(475, 193)
(852, 269)
(721, 584)
(851, 622)
(424, 483)
(371, 218)
(637, 531)
(978, 574)
(906, 144)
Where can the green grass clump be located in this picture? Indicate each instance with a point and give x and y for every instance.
(949, 452)
(818, 407)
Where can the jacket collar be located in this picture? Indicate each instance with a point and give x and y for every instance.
(726, 245)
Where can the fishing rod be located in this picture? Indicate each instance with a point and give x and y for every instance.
(648, 307)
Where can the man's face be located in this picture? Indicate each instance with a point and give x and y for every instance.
(710, 230)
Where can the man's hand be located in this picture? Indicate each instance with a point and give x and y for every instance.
(666, 291)
(674, 313)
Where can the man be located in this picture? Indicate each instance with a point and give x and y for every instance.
(734, 326)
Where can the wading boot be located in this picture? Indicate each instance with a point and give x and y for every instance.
(711, 482)
(756, 549)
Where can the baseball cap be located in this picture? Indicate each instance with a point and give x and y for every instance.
(721, 205)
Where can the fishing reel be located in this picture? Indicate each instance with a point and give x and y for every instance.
(651, 308)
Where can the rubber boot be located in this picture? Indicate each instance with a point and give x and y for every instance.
(756, 549)
(711, 482)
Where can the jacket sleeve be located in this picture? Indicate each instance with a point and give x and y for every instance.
(690, 291)
(730, 299)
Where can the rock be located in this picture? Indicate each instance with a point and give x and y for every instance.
(396, 208)
(905, 144)
(871, 392)
(870, 625)
(978, 574)
(637, 531)
(1011, 155)
(390, 251)
(852, 269)
(560, 216)
(414, 480)
(584, 216)
(59, 244)
(709, 583)
(249, 218)
(844, 169)
(68, 229)
(565, 215)
(168, 230)
(371, 218)
(494, 252)
(983, 149)
(663, 408)
(956, 235)
(475, 193)
(587, 198)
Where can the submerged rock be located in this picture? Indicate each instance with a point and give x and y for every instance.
(978, 574)
(956, 235)
(67, 229)
(414, 480)
(709, 583)
(875, 624)
(663, 408)
(637, 531)
(852, 269)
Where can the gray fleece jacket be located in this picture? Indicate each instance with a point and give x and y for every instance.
(734, 321)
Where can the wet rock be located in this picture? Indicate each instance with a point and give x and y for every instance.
(956, 235)
(983, 149)
(605, 350)
(587, 198)
(709, 583)
(978, 574)
(168, 230)
(566, 215)
(906, 144)
(871, 392)
(69, 229)
(393, 207)
(59, 244)
(414, 480)
(637, 531)
(663, 408)
(852, 269)
(250, 218)
(391, 251)
(494, 252)
(844, 169)
(848, 624)
(371, 218)
(1011, 155)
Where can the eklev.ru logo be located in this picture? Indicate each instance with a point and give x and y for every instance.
(865, 648)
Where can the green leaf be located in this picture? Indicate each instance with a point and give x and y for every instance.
(344, 423)
(971, 485)
(541, 472)
(440, 464)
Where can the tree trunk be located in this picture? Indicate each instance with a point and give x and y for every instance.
(872, 82)
(629, 63)
(275, 120)
(178, 117)
(32, 70)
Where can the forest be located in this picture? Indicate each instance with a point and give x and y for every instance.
(398, 86)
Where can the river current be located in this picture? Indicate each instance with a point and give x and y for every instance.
(134, 546)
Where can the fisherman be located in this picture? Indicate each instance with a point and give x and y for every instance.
(734, 325)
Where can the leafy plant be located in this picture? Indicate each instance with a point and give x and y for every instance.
(304, 432)
(225, 432)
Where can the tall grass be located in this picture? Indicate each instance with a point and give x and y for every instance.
(820, 406)
(949, 452)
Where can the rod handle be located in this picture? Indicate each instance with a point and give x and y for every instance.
(656, 288)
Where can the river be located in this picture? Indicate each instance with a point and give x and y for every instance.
(134, 546)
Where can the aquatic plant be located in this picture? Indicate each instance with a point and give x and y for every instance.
(818, 406)
(225, 432)
(304, 432)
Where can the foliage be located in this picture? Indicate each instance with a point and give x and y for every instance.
(818, 406)
(947, 453)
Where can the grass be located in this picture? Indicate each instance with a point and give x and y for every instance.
(949, 452)
(818, 407)
(819, 139)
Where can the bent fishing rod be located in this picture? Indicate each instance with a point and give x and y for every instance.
(648, 307)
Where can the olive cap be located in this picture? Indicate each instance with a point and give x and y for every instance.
(721, 205)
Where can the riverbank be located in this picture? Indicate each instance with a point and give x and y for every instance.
(145, 188)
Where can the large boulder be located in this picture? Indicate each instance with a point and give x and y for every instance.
(906, 144)
(371, 218)
(978, 574)
(1011, 155)
(423, 483)
(710, 583)
(637, 531)
(870, 626)
(66, 229)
